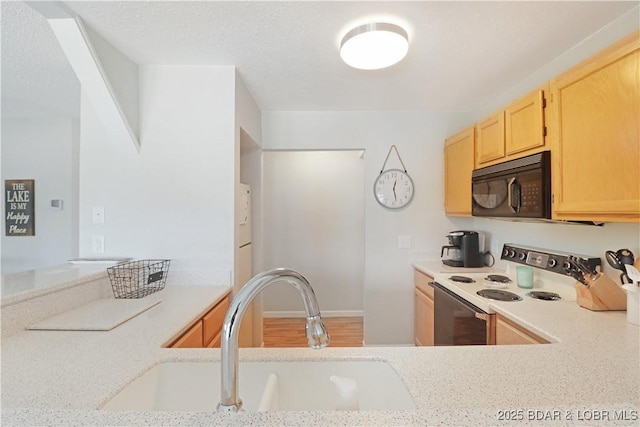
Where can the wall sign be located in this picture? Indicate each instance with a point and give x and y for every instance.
(19, 207)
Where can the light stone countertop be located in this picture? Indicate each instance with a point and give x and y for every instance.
(29, 284)
(591, 372)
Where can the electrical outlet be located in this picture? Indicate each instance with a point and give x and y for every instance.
(97, 244)
(404, 242)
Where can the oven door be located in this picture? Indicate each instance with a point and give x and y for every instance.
(458, 322)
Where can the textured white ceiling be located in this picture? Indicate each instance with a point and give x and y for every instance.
(460, 55)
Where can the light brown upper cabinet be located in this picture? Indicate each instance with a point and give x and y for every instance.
(524, 124)
(594, 127)
(490, 139)
(458, 165)
(516, 131)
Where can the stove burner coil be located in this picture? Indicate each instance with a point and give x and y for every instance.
(497, 278)
(461, 279)
(545, 296)
(499, 295)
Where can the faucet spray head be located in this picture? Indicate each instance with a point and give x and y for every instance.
(317, 335)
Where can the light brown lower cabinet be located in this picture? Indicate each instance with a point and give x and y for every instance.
(423, 309)
(509, 332)
(190, 339)
(206, 331)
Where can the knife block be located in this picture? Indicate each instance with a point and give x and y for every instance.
(602, 294)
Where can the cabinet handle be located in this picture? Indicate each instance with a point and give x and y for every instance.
(514, 195)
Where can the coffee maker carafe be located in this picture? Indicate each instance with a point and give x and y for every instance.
(463, 250)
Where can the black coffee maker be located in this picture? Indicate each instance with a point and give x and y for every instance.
(463, 250)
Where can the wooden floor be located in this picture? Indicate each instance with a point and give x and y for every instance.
(290, 332)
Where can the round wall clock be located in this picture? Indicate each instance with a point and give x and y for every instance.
(393, 188)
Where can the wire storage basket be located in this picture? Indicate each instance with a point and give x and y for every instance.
(138, 279)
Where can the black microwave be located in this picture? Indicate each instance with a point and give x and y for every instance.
(519, 188)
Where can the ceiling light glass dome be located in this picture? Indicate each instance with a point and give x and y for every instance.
(374, 46)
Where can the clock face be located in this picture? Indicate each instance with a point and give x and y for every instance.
(393, 188)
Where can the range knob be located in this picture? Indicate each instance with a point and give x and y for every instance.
(512, 253)
(505, 252)
(522, 256)
(566, 266)
(553, 262)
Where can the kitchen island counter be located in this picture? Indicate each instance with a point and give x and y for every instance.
(589, 376)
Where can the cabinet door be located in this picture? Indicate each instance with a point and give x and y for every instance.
(596, 148)
(423, 318)
(509, 333)
(192, 338)
(490, 142)
(458, 165)
(524, 123)
(423, 309)
(212, 321)
(215, 342)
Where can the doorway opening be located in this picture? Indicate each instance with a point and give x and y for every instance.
(313, 210)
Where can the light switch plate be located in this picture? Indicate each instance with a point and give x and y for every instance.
(404, 242)
(98, 214)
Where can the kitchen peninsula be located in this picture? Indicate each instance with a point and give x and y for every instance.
(588, 376)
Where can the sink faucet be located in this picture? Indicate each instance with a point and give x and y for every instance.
(316, 331)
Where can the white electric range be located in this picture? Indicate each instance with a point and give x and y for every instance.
(543, 282)
(463, 300)
(553, 279)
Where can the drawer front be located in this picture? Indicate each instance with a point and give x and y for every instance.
(508, 333)
(421, 281)
(213, 320)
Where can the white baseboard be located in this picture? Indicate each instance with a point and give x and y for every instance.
(324, 313)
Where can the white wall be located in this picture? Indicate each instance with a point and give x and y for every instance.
(122, 75)
(175, 199)
(314, 211)
(43, 150)
(576, 239)
(419, 136)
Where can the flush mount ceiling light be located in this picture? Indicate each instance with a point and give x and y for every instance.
(374, 46)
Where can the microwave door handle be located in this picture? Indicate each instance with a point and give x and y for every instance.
(514, 195)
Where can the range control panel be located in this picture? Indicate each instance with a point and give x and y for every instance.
(557, 262)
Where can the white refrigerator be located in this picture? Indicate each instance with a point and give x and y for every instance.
(251, 330)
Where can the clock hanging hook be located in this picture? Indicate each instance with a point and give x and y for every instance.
(393, 147)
